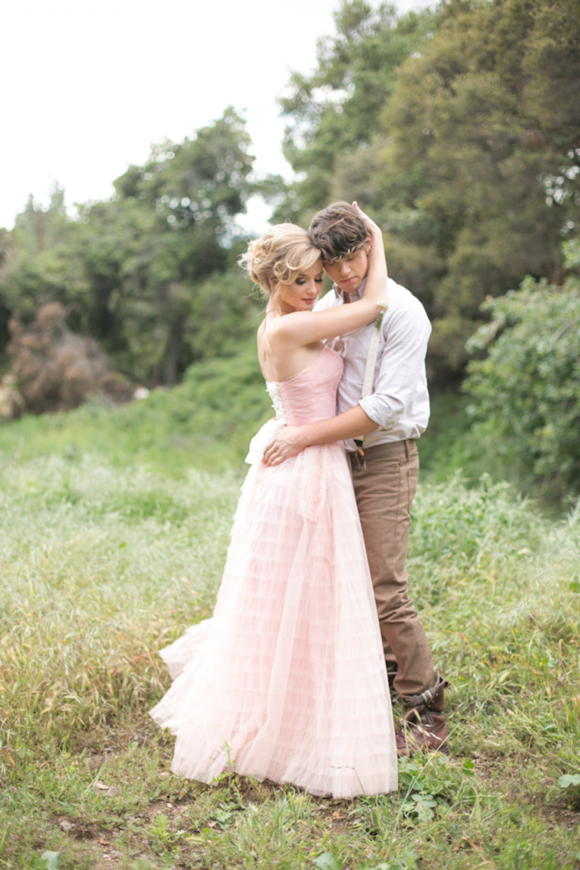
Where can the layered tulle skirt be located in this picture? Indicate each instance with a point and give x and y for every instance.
(287, 680)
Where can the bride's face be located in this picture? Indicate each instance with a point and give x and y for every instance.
(303, 293)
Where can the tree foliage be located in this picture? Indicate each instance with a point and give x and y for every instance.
(498, 169)
(39, 263)
(458, 129)
(170, 227)
(337, 110)
(470, 158)
(145, 272)
(526, 393)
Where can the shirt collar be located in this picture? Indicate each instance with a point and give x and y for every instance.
(340, 293)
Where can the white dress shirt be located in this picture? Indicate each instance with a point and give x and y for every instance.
(399, 402)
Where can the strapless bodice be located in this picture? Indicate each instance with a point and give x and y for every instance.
(311, 394)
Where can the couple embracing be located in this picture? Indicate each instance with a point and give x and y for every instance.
(291, 678)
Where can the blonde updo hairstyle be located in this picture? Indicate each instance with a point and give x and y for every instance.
(278, 257)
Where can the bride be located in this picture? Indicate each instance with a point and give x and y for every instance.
(287, 680)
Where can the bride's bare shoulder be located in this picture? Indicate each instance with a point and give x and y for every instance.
(288, 326)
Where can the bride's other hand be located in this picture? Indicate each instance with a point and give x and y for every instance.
(376, 283)
(287, 443)
(369, 223)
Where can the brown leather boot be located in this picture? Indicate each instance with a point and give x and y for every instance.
(425, 730)
(423, 722)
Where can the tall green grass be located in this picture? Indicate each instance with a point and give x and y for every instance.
(103, 561)
(99, 567)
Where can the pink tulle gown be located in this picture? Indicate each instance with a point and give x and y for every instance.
(287, 680)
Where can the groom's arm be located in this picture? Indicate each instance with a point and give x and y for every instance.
(402, 367)
(292, 439)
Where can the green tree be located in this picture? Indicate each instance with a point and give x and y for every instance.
(470, 159)
(192, 192)
(497, 165)
(170, 227)
(39, 264)
(223, 313)
(336, 111)
(145, 272)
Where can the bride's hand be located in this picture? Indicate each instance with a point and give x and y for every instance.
(370, 224)
(376, 283)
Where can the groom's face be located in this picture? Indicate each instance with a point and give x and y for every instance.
(350, 272)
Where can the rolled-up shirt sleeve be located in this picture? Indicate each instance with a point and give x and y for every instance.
(400, 384)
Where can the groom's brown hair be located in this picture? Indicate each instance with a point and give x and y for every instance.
(337, 231)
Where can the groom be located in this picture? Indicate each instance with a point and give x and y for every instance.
(380, 431)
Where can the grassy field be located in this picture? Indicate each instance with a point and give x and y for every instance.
(109, 550)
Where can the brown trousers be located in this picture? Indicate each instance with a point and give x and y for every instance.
(385, 480)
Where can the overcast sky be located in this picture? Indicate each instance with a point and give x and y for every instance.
(88, 87)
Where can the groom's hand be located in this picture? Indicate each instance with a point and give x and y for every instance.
(287, 443)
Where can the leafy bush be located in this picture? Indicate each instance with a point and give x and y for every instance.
(526, 393)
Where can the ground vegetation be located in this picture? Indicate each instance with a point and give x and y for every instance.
(105, 558)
